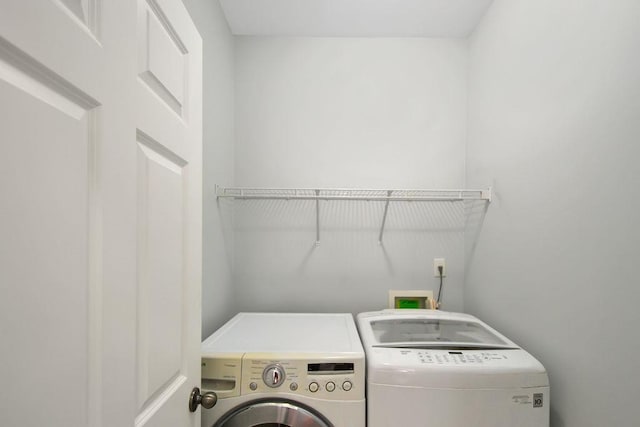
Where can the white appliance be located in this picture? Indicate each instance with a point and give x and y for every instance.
(427, 367)
(286, 370)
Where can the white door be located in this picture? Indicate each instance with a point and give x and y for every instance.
(100, 213)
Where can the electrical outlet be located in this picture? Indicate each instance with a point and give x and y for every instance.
(437, 262)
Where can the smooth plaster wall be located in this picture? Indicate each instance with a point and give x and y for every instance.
(354, 113)
(218, 142)
(554, 125)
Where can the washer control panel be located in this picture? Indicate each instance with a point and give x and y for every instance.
(454, 357)
(338, 379)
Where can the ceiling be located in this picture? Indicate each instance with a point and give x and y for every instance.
(354, 18)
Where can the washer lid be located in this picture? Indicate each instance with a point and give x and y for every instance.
(425, 332)
(429, 329)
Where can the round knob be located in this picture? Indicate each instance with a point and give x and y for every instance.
(346, 386)
(313, 387)
(330, 386)
(273, 376)
(207, 400)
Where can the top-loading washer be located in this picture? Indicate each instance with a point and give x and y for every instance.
(285, 369)
(427, 367)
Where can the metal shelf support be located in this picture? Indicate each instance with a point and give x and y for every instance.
(317, 218)
(384, 216)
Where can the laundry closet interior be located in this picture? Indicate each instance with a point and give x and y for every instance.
(537, 101)
(172, 168)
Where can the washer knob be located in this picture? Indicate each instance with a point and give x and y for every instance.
(313, 387)
(273, 376)
(346, 386)
(330, 386)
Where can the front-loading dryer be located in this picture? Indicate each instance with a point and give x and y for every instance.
(285, 369)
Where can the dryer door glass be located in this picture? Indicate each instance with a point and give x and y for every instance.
(272, 414)
(434, 332)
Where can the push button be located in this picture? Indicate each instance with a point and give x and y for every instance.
(330, 386)
(313, 387)
(346, 386)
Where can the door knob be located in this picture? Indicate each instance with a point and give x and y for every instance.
(207, 400)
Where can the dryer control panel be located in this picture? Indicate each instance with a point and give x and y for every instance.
(331, 379)
(322, 377)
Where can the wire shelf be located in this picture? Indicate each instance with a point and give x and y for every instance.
(249, 193)
(327, 194)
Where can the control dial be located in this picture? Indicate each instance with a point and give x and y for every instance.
(273, 375)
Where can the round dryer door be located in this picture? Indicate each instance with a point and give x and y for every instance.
(272, 414)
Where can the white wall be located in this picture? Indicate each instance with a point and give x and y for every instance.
(347, 112)
(217, 289)
(554, 123)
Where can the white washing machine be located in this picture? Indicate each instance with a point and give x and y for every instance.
(427, 367)
(277, 369)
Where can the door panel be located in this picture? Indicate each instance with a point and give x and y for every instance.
(160, 283)
(47, 124)
(84, 11)
(67, 48)
(162, 58)
(43, 258)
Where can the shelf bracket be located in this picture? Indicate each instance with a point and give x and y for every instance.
(384, 216)
(487, 194)
(317, 218)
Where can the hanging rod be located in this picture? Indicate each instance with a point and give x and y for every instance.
(317, 194)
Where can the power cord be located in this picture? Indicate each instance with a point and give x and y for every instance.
(440, 270)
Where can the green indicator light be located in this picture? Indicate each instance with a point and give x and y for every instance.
(407, 303)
